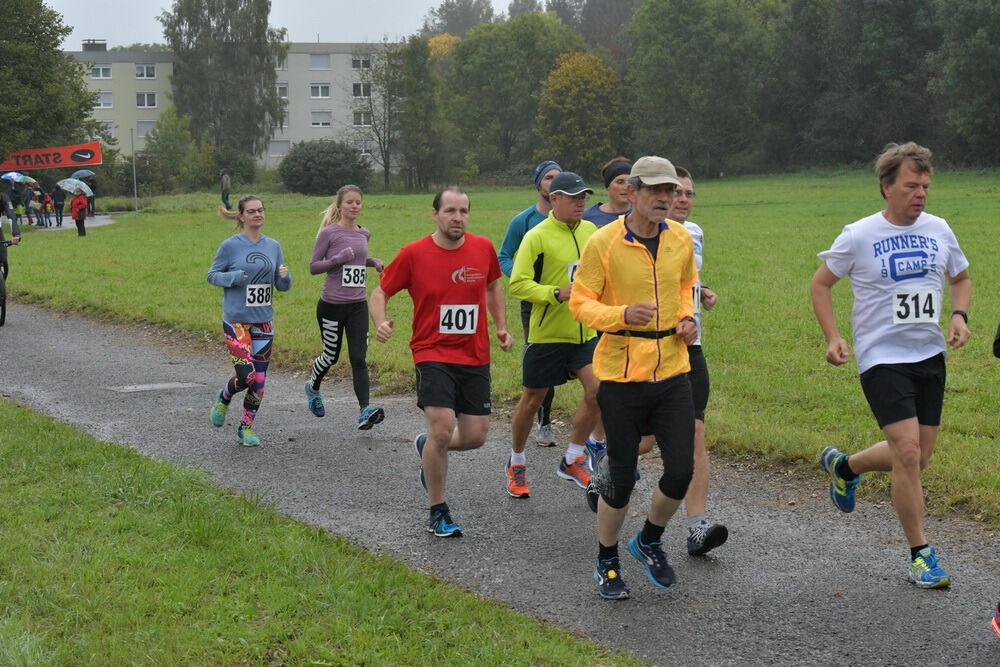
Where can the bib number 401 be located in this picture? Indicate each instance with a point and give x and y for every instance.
(459, 319)
(916, 307)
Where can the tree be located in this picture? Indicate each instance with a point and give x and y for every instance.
(457, 17)
(494, 84)
(320, 167)
(518, 7)
(602, 23)
(224, 70)
(422, 126)
(581, 114)
(139, 46)
(170, 141)
(568, 11)
(379, 103)
(45, 100)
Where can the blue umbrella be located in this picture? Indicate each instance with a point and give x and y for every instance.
(82, 173)
(15, 176)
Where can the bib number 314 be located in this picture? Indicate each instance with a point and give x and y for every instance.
(916, 307)
(459, 319)
(258, 295)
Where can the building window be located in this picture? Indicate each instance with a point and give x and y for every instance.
(143, 128)
(282, 91)
(362, 119)
(145, 71)
(100, 72)
(106, 128)
(322, 118)
(145, 100)
(364, 148)
(278, 148)
(319, 91)
(281, 63)
(282, 123)
(319, 61)
(103, 100)
(362, 90)
(361, 62)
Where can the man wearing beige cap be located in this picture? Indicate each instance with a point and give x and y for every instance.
(635, 283)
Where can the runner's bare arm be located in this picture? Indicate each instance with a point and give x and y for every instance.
(821, 287)
(497, 306)
(961, 296)
(377, 307)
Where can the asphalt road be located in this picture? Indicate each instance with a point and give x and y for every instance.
(798, 583)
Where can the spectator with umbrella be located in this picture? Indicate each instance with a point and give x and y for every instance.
(78, 205)
(87, 176)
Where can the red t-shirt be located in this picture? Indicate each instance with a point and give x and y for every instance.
(448, 289)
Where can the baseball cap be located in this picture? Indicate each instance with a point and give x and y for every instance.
(544, 168)
(568, 183)
(654, 170)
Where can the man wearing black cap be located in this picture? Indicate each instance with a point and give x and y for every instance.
(635, 283)
(519, 225)
(558, 345)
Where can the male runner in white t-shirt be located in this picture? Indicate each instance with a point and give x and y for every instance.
(898, 261)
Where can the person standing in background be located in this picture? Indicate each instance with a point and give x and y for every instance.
(225, 185)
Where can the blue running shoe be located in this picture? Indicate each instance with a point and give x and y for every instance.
(841, 490)
(595, 450)
(608, 576)
(246, 437)
(219, 409)
(441, 525)
(925, 571)
(315, 401)
(654, 560)
(369, 417)
(418, 444)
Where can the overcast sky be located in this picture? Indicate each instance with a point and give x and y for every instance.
(122, 22)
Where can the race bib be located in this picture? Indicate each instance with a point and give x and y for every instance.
(696, 293)
(571, 270)
(258, 295)
(459, 319)
(353, 276)
(916, 307)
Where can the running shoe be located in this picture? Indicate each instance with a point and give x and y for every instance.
(595, 450)
(706, 536)
(517, 480)
(576, 471)
(219, 410)
(314, 400)
(246, 437)
(996, 620)
(593, 495)
(369, 417)
(441, 525)
(600, 483)
(654, 560)
(544, 436)
(925, 571)
(608, 576)
(418, 444)
(841, 490)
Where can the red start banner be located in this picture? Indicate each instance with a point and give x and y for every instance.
(49, 158)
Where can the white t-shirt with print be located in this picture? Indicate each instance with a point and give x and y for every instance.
(898, 276)
(698, 238)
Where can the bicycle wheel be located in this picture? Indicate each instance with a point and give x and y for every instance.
(3, 300)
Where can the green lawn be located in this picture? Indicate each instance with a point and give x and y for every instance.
(774, 397)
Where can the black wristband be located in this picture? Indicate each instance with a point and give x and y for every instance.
(965, 315)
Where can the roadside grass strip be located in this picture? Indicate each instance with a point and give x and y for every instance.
(110, 557)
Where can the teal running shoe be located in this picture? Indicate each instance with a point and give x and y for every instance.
(246, 437)
(219, 410)
(441, 525)
(925, 571)
(652, 558)
(315, 401)
(418, 444)
(370, 416)
(841, 490)
(608, 576)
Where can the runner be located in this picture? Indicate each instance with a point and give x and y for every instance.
(615, 173)
(519, 225)
(341, 252)
(897, 261)
(635, 284)
(452, 277)
(248, 266)
(558, 346)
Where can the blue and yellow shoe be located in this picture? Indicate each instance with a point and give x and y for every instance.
(925, 571)
(608, 576)
(370, 416)
(219, 410)
(246, 437)
(314, 400)
(841, 490)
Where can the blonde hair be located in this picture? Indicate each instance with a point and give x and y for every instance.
(235, 215)
(332, 213)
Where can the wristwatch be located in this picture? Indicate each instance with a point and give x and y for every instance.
(557, 292)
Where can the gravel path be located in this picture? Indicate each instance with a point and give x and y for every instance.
(798, 583)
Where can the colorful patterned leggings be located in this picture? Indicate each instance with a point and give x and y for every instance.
(250, 350)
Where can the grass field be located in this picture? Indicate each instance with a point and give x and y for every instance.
(774, 398)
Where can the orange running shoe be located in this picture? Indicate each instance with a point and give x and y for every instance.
(517, 481)
(576, 471)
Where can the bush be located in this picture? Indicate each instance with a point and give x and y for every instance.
(239, 165)
(321, 167)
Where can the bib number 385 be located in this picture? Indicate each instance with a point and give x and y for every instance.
(353, 276)
(258, 295)
(459, 319)
(916, 307)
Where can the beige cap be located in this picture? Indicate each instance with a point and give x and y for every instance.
(653, 170)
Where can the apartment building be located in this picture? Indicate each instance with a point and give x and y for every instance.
(324, 84)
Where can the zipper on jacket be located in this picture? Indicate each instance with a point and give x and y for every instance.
(572, 232)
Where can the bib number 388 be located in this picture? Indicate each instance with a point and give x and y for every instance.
(916, 307)
(459, 319)
(258, 295)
